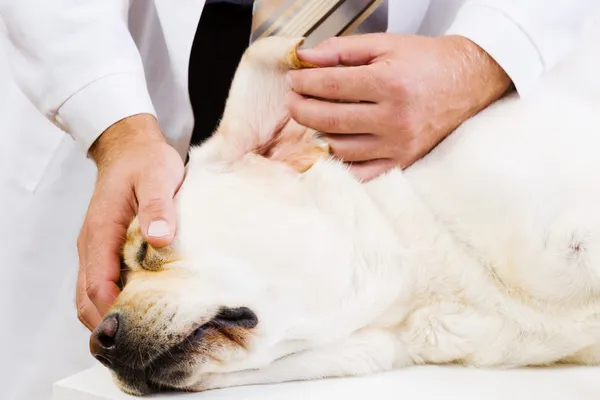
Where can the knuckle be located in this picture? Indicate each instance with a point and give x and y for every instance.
(153, 205)
(92, 224)
(330, 43)
(82, 314)
(403, 119)
(397, 86)
(372, 83)
(296, 81)
(396, 119)
(294, 107)
(381, 84)
(92, 290)
(331, 123)
(331, 86)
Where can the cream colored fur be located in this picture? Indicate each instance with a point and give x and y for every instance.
(485, 253)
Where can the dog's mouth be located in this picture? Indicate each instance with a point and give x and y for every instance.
(166, 373)
(172, 368)
(145, 359)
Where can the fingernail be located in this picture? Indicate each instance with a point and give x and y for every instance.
(159, 228)
(288, 79)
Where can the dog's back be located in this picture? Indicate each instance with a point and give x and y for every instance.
(507, 244)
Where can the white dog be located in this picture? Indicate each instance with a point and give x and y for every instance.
(486, 253)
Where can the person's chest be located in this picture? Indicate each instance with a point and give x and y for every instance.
(430, 17)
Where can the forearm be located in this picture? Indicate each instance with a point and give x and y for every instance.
(478, 79)
(77, 63)
(135, 130)
(526, 38)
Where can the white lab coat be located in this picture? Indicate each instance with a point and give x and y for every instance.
(78, 66)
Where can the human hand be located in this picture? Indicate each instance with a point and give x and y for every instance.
(401, 95)
(138, 174)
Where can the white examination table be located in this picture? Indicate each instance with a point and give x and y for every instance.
(418, 383)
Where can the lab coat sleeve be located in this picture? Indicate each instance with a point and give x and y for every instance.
(77, 63)
(525, 37)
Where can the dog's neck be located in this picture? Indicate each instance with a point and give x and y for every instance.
(400, 247)
(374, 214)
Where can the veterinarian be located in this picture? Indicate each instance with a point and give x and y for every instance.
(123, 88)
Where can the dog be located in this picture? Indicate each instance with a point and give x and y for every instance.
(485, 253)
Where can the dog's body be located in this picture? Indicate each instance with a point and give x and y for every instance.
(485, 253)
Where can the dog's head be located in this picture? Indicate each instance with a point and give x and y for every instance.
(230, 293)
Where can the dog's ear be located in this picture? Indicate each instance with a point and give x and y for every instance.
(256, 119)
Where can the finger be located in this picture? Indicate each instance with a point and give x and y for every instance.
(155, 193)
(346, 83)
(346, 50)
(101, 245)
(88, 314)
(101, 291)
(101, 282)
(329, 117)
(86, 311)
(369, 170)
(354, 148)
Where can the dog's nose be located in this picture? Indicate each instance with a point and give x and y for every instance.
(103, 340)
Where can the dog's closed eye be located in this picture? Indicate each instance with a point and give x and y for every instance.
(141, 253)
(123, 272)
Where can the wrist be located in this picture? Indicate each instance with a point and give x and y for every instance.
(477, 80)
(480, 68)
(123, 136)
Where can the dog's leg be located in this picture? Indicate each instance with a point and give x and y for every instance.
(256, 120)
(363, 353)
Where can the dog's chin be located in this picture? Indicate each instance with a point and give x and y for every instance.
(172, 371)
(172, 378)
(150, 381)
(135, 383)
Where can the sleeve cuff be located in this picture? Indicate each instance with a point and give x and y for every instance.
(102, 103)
(503, 39)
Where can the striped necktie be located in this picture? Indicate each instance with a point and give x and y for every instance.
(317, 20)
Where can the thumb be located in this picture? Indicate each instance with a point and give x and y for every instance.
(156, 212)
(353, 50)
